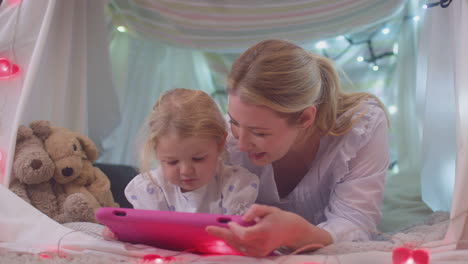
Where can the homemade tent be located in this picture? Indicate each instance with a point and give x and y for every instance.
(65, 75)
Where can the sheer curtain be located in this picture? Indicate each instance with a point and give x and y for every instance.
(142, 70)
(144, 66)
(402, 200)
(52, 42)
(65, 75)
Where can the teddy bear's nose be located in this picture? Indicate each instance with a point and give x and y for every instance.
(36, 164)
(67, 171)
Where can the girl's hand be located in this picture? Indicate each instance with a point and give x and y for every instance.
(107, 234)
(274, 228)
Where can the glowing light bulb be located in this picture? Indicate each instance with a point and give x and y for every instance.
(340, 38)
(122, 29)
(159, 261)
(416, 18)
(395, 48)
(410, 261)
(7, 69)
(392, 109)
(360, 58)
(424, 6)
(321, 45)
(375, 68)
(396, 169)
(2, 162)
(385, 31)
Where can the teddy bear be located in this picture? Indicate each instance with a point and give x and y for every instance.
(73, 155)
(32, 180)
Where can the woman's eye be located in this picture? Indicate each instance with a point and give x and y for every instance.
(232, 122)
(198, 159)
(172, 162)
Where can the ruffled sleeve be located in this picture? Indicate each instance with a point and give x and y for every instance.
(359, 172)
(239, 190)
(143, 193)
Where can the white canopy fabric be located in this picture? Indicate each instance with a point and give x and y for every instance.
(233, 25)
(51, 42)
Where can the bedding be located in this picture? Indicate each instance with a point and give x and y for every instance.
(424, 234)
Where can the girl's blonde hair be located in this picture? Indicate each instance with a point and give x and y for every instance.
(185, 112)
(285, 78)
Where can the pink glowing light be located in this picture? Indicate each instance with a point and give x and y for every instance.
(2, 162)
(404, 255)
(13, 2)
(156, 259)
(8, 69)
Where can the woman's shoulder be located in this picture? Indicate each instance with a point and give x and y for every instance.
(368, 117)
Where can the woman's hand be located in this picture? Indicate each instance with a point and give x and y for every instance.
(274, 228)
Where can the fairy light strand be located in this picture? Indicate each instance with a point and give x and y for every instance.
(443, 4)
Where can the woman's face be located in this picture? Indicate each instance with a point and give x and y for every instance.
(260, 132)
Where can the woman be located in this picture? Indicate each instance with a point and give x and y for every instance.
(321, 154)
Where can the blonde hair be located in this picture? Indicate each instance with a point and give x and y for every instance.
(185, 112)
(285, 78)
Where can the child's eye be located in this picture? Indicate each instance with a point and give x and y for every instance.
(198, 159)
(172, 162)
(260, 134)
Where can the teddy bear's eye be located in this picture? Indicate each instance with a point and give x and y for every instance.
(74, 147)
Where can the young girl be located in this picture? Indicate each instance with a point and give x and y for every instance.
(186, 136)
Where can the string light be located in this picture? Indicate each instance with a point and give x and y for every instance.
(371, 59)
(321, 45)
(443, 4)
(122, 29)
(395, 48)
(404, 255)
(156, 259)
(8, 69)
(2, 162)
(392, 109)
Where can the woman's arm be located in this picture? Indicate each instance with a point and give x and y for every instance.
(354, 207)
(274, 228)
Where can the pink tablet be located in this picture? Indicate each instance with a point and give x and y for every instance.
(169, 230)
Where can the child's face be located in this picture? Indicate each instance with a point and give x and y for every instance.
(189, 163)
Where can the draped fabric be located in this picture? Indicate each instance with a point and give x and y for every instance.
(402, 200)
(454, 45)
(142, 70)
(65, 77)
(233, 25)
(61, 49)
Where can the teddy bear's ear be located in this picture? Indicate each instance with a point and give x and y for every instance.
(89, 147)
(24, 132)
(41, 128)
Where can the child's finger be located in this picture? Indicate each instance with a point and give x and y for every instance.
(107, 234)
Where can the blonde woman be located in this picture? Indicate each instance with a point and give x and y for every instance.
(186, 134)
(321, 154)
